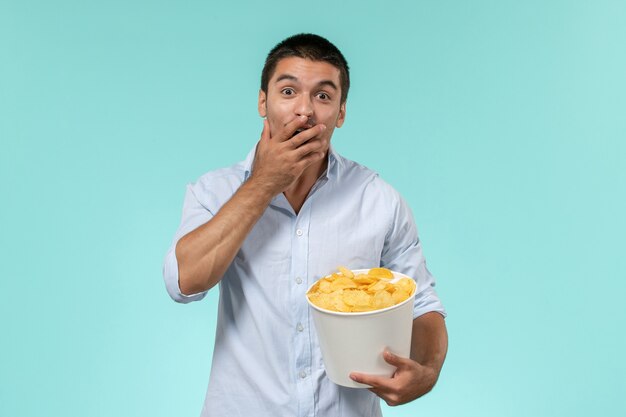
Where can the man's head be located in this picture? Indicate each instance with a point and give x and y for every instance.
(311, 47)
(305, 75)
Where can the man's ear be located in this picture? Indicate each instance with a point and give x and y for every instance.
(342, 115)
(262, 105)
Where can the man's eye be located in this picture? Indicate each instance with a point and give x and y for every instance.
(288, 91)
(323, 96)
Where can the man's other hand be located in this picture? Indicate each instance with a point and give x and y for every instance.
(410, 381)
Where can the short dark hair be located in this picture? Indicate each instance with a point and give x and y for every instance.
(308, 46)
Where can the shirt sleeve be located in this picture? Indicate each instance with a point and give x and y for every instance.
(402, 252)
(194, 215)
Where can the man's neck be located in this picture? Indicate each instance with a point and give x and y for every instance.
(298, 192)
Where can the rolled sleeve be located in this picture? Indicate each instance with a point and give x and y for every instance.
(170, 275)
(426, 301)
(194, 215)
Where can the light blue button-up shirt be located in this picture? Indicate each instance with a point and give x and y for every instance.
(267, 359)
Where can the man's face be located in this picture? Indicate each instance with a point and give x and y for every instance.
(303, 87)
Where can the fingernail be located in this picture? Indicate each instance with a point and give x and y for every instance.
(323, 127)
(352, 377)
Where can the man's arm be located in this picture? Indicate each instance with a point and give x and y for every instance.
(204, 254)
(429, 342)
(416, 376)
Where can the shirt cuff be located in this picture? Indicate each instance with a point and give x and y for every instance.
(170, 275)
(427, 301)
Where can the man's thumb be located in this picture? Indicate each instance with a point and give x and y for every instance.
(265, 134)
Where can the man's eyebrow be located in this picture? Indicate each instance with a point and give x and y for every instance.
(286, 77)
(323, 83)
(328, 83)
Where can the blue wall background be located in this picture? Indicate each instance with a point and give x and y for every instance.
(501, 122)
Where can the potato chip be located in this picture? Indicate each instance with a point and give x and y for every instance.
(377, 286)
(356, 298)
(405, 283)
(346, 272)
(342, 283)
(382, 299)
(364, 280)
(399, 296)
(380, 273)
(346, 292)
(336, 301)
(324, 286)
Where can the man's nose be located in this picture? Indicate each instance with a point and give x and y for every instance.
(304, 106)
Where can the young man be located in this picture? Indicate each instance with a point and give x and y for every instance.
(268, 227)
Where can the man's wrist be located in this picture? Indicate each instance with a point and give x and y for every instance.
(260, 188)
(430, 375)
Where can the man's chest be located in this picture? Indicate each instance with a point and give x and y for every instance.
(322, 237)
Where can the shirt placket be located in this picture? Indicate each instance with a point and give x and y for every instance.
(302, 336)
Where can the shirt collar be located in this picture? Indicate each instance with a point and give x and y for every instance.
(332, 170)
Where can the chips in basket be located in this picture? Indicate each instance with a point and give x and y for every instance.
(346, 292)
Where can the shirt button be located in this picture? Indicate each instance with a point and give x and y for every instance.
(302, 374)
(300, 327)
(299, 232)
(299, 280)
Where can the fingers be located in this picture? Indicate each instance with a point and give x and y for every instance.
(312, 146)
(308, 142)
(410, 380)
(306, 135)
(290, 128)
(283, 155)
(287, 132)
(385, 388)
(372, 380)
(380, 382)
(396, 360)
